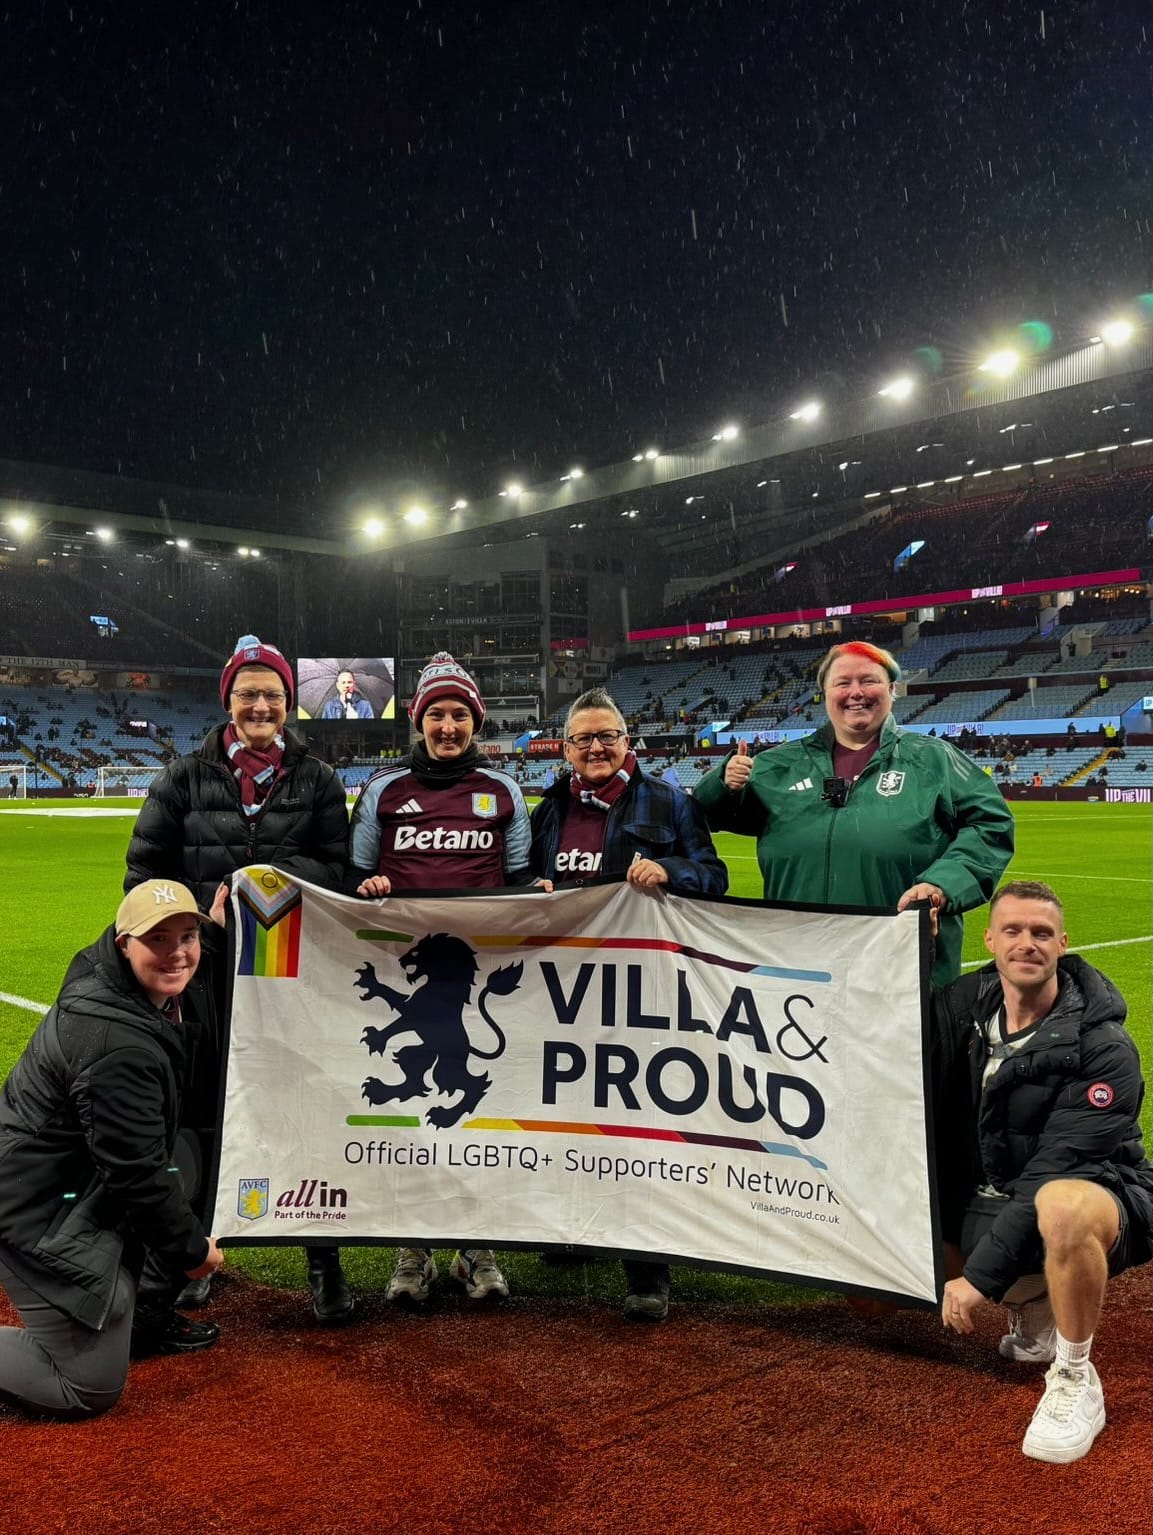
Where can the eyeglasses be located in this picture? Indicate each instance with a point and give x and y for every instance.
(587, 737)
(254, 695)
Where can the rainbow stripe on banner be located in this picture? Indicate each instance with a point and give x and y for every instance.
(576, 1127)
(270, 922)
(645, 945)
(641, 1133)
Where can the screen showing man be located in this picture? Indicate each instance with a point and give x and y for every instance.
(342, 688)
(348, 703)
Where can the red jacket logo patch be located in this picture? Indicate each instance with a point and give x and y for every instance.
(1100, 1095)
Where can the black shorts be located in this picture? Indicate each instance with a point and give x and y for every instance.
(983, 1209)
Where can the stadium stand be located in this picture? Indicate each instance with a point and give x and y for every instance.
(1095, 523)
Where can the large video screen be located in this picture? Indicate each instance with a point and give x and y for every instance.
(342, 688)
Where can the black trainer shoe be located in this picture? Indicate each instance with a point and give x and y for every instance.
(653, 1307)
(196, 1293)
(332, 1300)
(170, 1333)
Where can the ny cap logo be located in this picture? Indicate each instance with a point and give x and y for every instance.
(164, 895)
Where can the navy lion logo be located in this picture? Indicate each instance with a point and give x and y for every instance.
(434, 1013)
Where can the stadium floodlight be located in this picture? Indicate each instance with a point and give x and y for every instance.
(1001, 363)
(728, 433)
(1117, 333)
(416, 516)
(244, 551)
(576, 525)
(373, 527)
(183, 543)
(574, 473)
(633, 511)
(513, 489)
(105, 535)
(1008, 468)
(651, 453)
(19, 523)
(807, 412)
(871, 495)
(895, 490)
(458, 505)
(255, 553)
(952, 479)
(638, 458)
(898, 388)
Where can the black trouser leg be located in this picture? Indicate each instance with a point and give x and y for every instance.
(646, 1278)
(332, 1301)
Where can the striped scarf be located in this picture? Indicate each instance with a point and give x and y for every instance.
(603, 796)
(254, 771)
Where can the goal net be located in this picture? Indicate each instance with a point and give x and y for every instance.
(13, 780)
(124, 780)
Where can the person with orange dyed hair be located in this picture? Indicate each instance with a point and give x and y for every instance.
(864, 813)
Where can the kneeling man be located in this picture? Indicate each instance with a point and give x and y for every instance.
(1043, 1165)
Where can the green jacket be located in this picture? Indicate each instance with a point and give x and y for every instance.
(921, 810)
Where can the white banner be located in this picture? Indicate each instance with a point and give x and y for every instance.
(717, 1081)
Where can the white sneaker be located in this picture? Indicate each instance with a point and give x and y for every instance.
(414, 1273)
(1069, 1416)
(475, 1268)
(1032, 1335)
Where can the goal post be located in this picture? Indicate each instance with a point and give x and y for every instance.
(13, 780)
(124, 780)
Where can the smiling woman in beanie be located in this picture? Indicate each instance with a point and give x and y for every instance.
(250, 793)
(444, 820)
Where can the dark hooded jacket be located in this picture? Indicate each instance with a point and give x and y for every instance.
(88, 1120)
(651, 819)
(192, 827)
(1065, 1104)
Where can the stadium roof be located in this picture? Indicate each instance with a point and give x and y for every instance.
(1092, 392)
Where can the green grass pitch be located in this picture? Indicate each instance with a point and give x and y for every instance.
(62, 880)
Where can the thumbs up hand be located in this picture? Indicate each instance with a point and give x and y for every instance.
(738, 768)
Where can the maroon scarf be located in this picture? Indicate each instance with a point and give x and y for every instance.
(255, 771)
(603, 796)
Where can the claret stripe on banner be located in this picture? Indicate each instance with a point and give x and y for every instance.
(652, 945)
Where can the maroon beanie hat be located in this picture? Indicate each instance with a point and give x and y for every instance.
(444, 677)
(253, 652)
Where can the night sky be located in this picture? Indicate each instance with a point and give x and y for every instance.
(325, 250)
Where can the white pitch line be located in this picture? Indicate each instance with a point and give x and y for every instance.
(1080, 948)
(1119, 879)
(24, 1002)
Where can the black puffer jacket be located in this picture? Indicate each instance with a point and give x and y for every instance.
(192, 826)
(1063, 1105)
(88, 1120)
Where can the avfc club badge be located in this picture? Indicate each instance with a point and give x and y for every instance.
(484, 805)
(252, 1198)
(890, 783)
